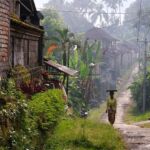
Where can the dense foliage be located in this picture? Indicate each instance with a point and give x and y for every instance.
(81, 87)
(137, 92)
(78, 54)
(47, 108)
(37, 124)
(20, 73)
(13, 109)
(52, 22)
(27, 125)
(65, 41)
(24, 82)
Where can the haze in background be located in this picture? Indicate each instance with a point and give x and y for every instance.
(40, 3)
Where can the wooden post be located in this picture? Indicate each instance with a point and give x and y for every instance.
(68, 65)
(145, 72)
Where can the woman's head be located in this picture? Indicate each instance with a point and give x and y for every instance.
(111, 93)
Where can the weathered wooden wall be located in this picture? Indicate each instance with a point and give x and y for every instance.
(24, 48)
(4, 34)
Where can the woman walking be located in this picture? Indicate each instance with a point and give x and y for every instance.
(111, 106)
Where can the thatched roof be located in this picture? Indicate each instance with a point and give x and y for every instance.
(99, 34)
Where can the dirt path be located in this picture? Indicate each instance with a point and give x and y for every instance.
(135, 137)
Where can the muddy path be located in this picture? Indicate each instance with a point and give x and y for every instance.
(136, 138)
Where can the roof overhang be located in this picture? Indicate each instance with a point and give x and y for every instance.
(64, 69)
(23, 24)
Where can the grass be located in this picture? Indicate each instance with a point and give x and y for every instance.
(86, 134)
(147, 125)
(89, 134)
(96, 113)
(133, 115)
(81, 134)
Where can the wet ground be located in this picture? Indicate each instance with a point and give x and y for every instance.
(136, 138)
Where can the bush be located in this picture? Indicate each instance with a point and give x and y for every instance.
(20, 74)
(13, 109)
(27, 125)
(137, 92)
(23, 80)
(46, 109)
(32, 87)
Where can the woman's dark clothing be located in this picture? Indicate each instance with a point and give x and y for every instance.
(111, 109)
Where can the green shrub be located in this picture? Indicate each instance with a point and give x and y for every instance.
(27, 125)
(137, 92)
(13, 108)
(47, 108)
(21, 74)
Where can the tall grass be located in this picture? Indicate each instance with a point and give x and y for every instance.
(133, 115)
(95, 114)
(81, 134)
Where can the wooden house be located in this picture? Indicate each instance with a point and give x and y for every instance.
(108, 45)
(21, 35)
(107, 41)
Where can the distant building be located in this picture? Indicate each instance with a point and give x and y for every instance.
(21, 36)
(107, 68)
(108, 45)
(127, 54)
(117, 57)
(107, 41)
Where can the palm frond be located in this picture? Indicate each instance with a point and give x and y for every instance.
(60, 32)
(55, 39)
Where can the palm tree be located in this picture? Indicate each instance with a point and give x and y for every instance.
(64, 39)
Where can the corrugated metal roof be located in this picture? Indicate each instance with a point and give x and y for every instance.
(61, 68)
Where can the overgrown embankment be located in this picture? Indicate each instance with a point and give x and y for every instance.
(31, 117)
(86, 134)
(29, 112)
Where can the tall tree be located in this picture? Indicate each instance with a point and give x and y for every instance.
(140, 18)
(86, 12)
(52, 22)
(70, 15)
(114, 4)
